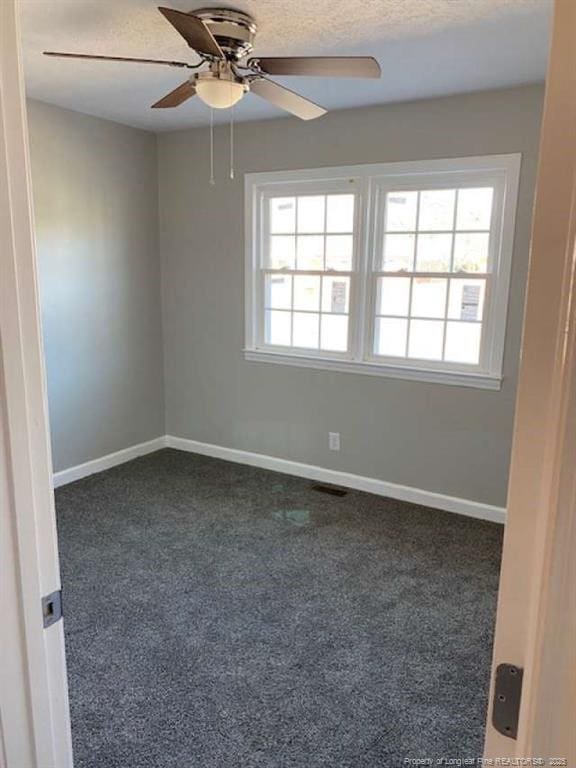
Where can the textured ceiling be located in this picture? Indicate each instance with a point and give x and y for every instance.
(425, 48)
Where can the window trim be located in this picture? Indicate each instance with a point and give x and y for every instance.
(369, 181)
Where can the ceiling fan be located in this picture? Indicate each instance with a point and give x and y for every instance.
(223, 37)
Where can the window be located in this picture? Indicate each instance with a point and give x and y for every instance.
(397, 269)
(307, 269)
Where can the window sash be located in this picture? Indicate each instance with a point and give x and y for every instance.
(448, 277)
(319, 311)
(371, 355)
(333, 187)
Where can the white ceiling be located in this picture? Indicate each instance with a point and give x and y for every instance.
(425, 48)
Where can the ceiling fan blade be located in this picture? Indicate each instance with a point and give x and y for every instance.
(177, 96)
(194, 31)
(286, 99)
(117, 58)
(318, 66)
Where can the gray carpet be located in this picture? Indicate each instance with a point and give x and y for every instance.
(220, 616)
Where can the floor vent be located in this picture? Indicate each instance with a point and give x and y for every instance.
(330, 489)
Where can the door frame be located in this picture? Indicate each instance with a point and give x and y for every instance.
(34, 708)
(536, 617)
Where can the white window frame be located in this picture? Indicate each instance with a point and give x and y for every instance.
(370, 182)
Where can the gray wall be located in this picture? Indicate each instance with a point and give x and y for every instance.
(95, 199)
(441, 438)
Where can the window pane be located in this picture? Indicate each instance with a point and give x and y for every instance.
(340, 213)
(311, 214)
(310, 252)
(398, 253)
(393, 296)
(305, 330)
(401, 211)
(466, 300)
(436, 209)
(474, 208)
(471, 252)
(339, 252)
(278, 291)
(426, 337)
(390, 337)
(278, 328)
(433, 253)
(428, 297)
(463, 343)
(334, 334)
(282, 251)
(282, 214)
(335, 294)
(307, 292)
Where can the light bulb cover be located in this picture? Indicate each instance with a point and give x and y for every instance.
(219, 93)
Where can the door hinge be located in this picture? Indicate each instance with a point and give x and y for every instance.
(52, 608)
(507, 695)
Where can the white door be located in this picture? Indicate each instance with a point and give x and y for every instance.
(34, 713)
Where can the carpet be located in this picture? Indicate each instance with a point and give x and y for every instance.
(223, 616)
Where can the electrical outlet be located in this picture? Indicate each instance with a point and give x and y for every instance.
(334, 441)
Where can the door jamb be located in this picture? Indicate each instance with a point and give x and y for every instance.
(535, 626)
(27, 464)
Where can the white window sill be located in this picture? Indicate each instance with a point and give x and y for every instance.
(453, 378)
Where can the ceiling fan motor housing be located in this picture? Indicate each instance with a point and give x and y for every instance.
(234, 30)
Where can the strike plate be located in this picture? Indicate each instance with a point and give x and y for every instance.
(52, 608)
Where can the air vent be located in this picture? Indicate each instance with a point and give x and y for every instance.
(332, 490)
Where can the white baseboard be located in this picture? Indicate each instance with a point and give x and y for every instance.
(346, 479)
(311, 472)
(108, 461)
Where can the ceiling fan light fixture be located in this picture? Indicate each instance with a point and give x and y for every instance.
(219, 93)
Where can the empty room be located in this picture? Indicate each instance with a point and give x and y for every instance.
(282, 256)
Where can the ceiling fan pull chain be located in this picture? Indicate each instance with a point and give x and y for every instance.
(232, 142)
(212, 179)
